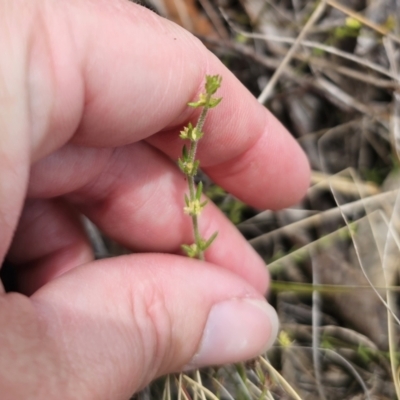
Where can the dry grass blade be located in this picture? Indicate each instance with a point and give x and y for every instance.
(198, 380)
(199, 387)
(395, 116)
(242, 380)
(343, 185)
(316, 321)
(167, 389)
(351, 368)
(181, 389)
(214, 18)
(372, 203)
(266, 93)
(345, 363)
(222, 388)
(280, 379)
(315, 45)
(393, 351)
(339, 94)
(345, 217)
(258, 393)
(391, 255)
(309, 288)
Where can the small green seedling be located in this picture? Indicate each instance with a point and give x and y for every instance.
(188, 164)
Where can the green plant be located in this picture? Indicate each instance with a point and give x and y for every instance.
(350, 29)
(189, 166)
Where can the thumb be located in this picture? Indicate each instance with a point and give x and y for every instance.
(119, 323)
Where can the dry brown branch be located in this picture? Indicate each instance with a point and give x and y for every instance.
(214, 18)
(343, 185)
(265, 94)
(333, 91)
(320, 46)
(273, 63)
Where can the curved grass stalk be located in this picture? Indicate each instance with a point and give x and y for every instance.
(343, 361)
(311, 44)
(222, 388)
(181, 391)
(197, 386)
(282, 381)
(353, 239)
(316, 320)
(198, 380)
(167, 389)
(392, 334)
(350, 368)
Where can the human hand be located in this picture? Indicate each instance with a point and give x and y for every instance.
(92, 97)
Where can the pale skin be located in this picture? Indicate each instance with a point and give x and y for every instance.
(92, 97)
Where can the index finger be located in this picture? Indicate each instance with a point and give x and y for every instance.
(138, 71)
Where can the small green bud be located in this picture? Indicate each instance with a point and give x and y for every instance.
(186, 131)
(191, 250)
(240, 38)
(214, 102)
(353, 23)
(213, 83)
(194, 207)
(202, 102)
(194, 249)
(188, 168)
(284, 339)
(196, 135)
(191, 133)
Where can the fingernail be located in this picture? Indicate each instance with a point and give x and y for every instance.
(236, 330)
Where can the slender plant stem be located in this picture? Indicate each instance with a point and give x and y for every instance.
(192, 158)
(189, 166)
(202, 118)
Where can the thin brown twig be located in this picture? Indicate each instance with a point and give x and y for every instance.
(266, 93)
(320, 46)
(214, 18)
(273, 63)
(342, 184)
(333, 91)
